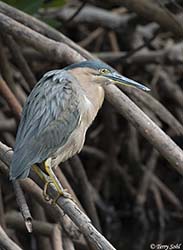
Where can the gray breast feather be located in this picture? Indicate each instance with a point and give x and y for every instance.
(50, 114)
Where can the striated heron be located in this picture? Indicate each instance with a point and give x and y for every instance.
(57, 114)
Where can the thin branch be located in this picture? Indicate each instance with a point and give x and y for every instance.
(75, 13)
(91, 37)
(168, 194)
(6, 70)
(146, 179)
(156, 107)
(57, 238)
(7, 125)
(159, 204)
(94, 16)
(10, 98)
(152, 12)
(83, 184)
(6, 242)
(15, 221)
(23, 206)
(167, 56)
(55, 51)
(20, 61)
(38, 213)
(67, 243)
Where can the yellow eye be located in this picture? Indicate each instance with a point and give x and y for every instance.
(104, 71)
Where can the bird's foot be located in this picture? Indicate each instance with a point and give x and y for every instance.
(61, 193)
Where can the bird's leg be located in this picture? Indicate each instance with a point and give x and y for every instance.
(38, 171)
(55, 181)
(41, 175)
(53, 177)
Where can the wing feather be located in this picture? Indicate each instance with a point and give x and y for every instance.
(49, 116)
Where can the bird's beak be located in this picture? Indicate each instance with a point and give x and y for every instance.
(119, 79)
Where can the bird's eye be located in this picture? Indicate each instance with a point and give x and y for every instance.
(104, 71)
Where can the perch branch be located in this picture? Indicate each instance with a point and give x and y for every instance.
(69, 207)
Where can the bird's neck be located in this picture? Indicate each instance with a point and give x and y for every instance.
(93, 91)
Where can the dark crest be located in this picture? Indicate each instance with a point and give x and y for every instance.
(94, 64)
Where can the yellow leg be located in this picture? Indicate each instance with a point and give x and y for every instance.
(38, 171)
(41, 175)
(53, 177)
(46, 196)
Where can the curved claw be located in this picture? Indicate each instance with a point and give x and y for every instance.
(65, 194)
(46, 196)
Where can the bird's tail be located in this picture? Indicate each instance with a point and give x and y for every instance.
(19, 168)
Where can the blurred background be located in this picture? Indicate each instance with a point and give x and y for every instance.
(138, 196)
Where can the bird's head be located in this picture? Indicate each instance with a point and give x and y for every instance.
(103, 74)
